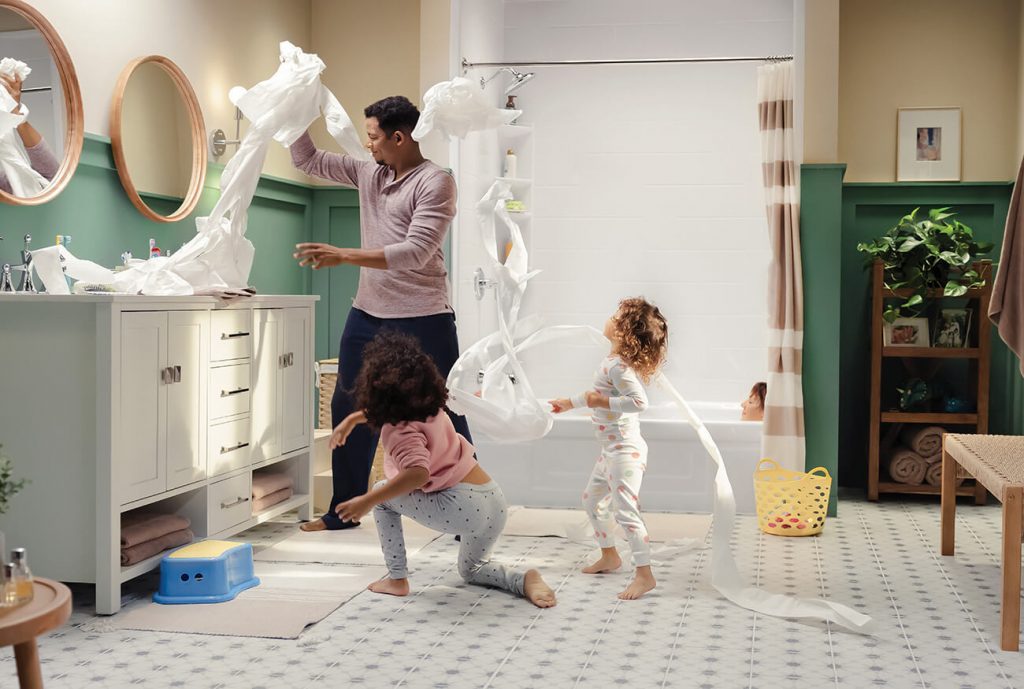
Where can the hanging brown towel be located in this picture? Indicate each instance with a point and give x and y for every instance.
(1007, 306)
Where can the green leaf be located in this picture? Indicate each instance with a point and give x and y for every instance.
(954, 289)
(909, 245)
(914, 301)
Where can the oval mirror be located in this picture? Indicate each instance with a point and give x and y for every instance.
(158, 137)
(41, 119)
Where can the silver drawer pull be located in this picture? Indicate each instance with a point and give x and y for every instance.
(239, 446)
(229, 393)
(167, 375)
(238, 501)
(176, 374)
(229, 336)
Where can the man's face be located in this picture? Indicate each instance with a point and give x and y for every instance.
(381, 146)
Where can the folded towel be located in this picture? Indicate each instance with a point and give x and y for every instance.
(906, 466)
(266, 482)
(934, 475)
(139, 527)
(147, 549)
(924, 440)
(260, 504)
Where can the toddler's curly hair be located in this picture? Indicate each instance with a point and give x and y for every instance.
(643, 336)
(398, 381)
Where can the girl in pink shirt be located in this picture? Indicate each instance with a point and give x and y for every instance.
(432, 474)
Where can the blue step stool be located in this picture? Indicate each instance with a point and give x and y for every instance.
(205, 572)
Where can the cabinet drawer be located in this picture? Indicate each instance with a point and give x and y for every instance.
(229, 447)
(230, 502)
(229, 391)
(231, 335)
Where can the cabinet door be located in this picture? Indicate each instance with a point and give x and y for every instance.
(296, 385)
(188, 356)
(266, 384)
(140, 454)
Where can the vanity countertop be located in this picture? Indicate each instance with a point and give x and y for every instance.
(142, 299)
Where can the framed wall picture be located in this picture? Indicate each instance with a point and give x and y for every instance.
(928, 144)
(906, 332)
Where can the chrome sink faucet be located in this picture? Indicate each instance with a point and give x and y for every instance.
(27, 285)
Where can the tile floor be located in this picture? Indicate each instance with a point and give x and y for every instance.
(940, 622)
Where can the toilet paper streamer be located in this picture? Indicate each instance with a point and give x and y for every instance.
(490, 387)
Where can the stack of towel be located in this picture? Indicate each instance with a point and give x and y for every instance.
(918, 457)
(144, 534)
(269, 488)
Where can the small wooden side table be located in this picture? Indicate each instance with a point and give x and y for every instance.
(49, 608)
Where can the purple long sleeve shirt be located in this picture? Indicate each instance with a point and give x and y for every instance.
(42, 160)
(407, 218)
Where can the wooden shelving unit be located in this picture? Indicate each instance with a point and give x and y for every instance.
(977, 355)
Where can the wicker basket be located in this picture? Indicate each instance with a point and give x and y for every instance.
(326, 380)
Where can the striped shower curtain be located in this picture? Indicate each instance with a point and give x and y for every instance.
(783, 434)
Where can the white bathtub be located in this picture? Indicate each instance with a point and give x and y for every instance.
(553, 471)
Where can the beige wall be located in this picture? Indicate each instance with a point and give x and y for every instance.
(929, 53)
(369, 53)
(821, 85)
(218, 44)
(1020, 87)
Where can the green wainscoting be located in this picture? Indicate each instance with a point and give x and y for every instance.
(834, 218)
(96, 212)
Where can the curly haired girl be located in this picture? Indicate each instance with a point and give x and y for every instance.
(639, 336)
(432, 473)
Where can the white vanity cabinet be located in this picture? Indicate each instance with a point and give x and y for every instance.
(114, 403)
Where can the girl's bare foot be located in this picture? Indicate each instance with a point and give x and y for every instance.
(641, 584)
(609, 562)
(315, 525)
(391, 587)
(537, 590)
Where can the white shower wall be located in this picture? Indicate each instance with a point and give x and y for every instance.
(646, 177)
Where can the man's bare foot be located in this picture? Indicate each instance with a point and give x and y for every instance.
(315, 525)
(641, 584)
(608, 562)
(537, 590)
(391, 587)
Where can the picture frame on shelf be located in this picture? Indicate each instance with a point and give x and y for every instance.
(906, 332)
(952, 328)
(928, 144)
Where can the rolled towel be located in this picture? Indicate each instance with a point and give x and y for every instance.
(266, 482)
(906, 466)
(139, 527)
(147, 549)
(933, 476)
(260, 504)
(924, 440)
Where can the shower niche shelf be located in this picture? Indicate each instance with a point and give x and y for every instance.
(518, 138)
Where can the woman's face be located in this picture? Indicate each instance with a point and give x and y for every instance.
(752, 409)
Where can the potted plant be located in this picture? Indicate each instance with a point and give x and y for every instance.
(9, 487)
(936, 252)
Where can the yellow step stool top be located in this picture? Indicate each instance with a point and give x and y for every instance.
(204, 549)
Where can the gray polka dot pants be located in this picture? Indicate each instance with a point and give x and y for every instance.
(477, 513)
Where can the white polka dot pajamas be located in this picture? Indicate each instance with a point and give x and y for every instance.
(613, 493)
(476, 512)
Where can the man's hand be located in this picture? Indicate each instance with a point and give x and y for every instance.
(352, 510)
(13, 86)
(320, 255)
(560, 406)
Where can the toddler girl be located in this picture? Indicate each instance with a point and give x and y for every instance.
(432, 474)
(639, 336)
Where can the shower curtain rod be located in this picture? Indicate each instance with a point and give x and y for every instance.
(466, 64)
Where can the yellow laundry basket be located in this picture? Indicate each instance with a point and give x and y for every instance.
(791, 503)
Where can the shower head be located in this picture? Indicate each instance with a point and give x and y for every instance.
(518, 79)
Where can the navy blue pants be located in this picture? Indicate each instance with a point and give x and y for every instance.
(351, 463)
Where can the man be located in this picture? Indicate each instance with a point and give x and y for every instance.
(406, 203)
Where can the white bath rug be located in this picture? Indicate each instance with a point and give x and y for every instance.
(358, 546)
(290, 598)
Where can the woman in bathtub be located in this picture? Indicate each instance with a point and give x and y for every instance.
(639, 336)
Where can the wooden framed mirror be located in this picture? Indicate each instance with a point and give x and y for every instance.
(159, 139)
(42, 128)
